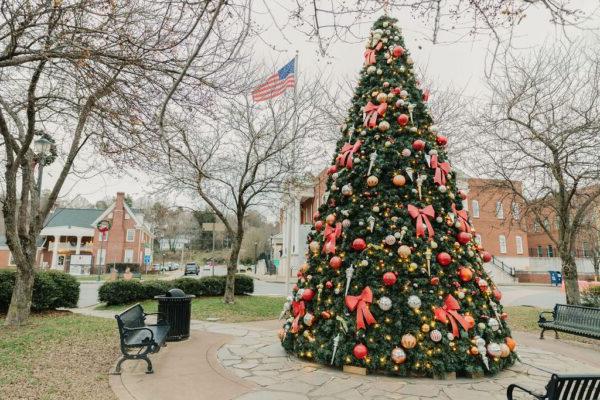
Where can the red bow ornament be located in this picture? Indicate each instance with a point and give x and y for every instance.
(441, 170)
(449, 313)
(463, 218)
(345, 159)
(370, 54)
(331, 233)
(361, 305)
(298, 310)
(422, 215)
(370, 113)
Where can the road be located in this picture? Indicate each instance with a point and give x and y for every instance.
(537, 296)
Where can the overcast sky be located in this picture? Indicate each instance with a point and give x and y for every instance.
(460, 64)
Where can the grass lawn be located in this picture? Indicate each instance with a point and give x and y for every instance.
(246, 308)
(58, 355)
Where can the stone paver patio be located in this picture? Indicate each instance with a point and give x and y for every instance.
(256, 355)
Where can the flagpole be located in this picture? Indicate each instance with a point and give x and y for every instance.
(290, 204)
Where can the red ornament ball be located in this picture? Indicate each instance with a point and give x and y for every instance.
(316, 216)
(434, 281)
(402, 119)
(295, 288)
(360, 351)
(462, 194)
(331, 170)
(497, 294)
(299, 274)
(441, 140)
(330, 219)
(443, 258)
(308, 294)
(486, 256)
(418, 145)
(318, 226)
(359, 244)
(463, 237)
(389, 278)
(465, 274)
(335, 262)
(398, 51)
(328, 284)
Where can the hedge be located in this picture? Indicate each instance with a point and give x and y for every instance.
(591, 297)
(121, 267)
(51, 290)
(123, 292)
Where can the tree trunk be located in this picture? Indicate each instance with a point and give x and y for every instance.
(20, 303)
(229, 296)
(569, 273)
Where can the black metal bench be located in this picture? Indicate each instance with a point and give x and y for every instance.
(576, 320)
(139, 339)
(564, 387)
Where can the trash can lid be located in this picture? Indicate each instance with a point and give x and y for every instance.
(175, 293)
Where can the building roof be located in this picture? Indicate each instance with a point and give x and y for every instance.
(79, 217)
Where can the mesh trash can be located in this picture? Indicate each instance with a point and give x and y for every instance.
(175, 307)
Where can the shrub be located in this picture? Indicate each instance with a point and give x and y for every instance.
(123, 292)
(591, 297)
(51, 290)
(121, 267)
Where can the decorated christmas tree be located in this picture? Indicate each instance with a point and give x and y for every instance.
(394, 280)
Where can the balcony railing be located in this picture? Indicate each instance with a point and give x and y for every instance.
(70, 247)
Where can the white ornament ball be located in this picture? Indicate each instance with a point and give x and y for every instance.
(384, 126)
(442, 189)
(334, 176)
(371, 69)
(385, 24)
(494, 349)
(433, 129)
(435, 335)
(457, 225)
(347, 190)
(439, 220)
(399, 103)
(390, 240)
(494, 324)
(385, 303)
(308, 319)
(481, 326)
(404, 94)
(433, 152)
(337, 291)
(286, 306)
(375, 209)
(413, 129)
(433, 245)
(405, 152)
(414, 302)
(479, 341)
(346, 223)
(314, 246)
(379, 72)
(299, 294)
(450, 336)
(461, 295)
(409, 61)
(387, 143)
(397, 235)
(364, 263)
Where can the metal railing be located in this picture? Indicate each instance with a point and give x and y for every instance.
(500, 264)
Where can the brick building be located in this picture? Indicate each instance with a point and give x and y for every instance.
(71, 242)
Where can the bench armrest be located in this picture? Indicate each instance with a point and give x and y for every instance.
(512, 387)
(141, 329)
(542, 318)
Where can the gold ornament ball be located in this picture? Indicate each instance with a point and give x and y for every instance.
(399, 180)
(408, 341)
(474, 350)
(504, 350)
(383, 126)
(381, 97)
(398, 355)
(372, 181)
(425, 328)
(314, 246)
(404, 251)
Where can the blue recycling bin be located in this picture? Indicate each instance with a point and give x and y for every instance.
(555, 278)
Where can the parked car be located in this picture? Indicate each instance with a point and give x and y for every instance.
(191, 269)
(157, 267)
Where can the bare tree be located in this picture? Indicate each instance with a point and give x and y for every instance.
(238, 156)
(541, 127)
(91, 73)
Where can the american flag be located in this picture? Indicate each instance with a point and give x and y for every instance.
(276, 84)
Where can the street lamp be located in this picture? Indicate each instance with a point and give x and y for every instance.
(41, 147)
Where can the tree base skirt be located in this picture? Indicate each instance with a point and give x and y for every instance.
(351, 369)
(446, 376)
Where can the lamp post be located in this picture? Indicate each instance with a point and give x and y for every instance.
(255, 257)
(41, 147)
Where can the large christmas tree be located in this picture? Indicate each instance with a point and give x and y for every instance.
(394, 280)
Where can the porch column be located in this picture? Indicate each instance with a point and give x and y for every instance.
(55, 252)
(78, 248)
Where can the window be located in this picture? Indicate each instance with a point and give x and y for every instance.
(519, 241)
(499, 210)
(546, 223)
(478, 238)
(130, 235)
(128, 257)
(540, 251)
(550, 251)
(586, 249)
(502, 240)
(475, 205)
(536, 226)
(556, 223)
(101, 238)
(516, 211)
